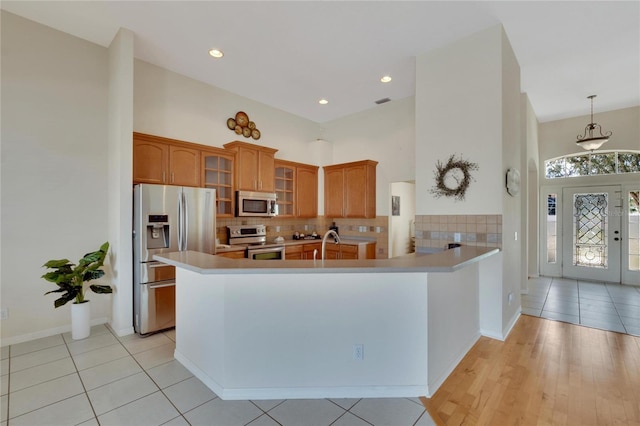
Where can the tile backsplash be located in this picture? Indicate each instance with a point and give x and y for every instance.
(431, 231)
(285, 227)
(436, 231)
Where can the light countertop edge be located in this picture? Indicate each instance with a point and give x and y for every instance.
(445, 261)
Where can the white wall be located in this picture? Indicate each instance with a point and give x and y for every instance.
(54, 169)
(459, 111)
(530, 187)
(513, 156)
(468, 104)
(174, 106)
(252, 349)
(401, 228)
(384, 133)
(120, 177)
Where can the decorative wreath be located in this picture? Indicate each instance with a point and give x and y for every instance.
(444, 170)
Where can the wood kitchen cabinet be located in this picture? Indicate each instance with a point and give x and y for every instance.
(239, 254)
(293, 252)
(351, 251)
(217, 173)
(255, 166)
(161, 161)
(308, 249)
(302, 251)
(296, 187)
(350, 189)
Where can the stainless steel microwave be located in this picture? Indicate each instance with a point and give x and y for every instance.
(256, 204)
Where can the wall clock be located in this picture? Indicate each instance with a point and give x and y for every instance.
(513, 182)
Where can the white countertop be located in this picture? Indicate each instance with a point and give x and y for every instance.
(445, 261)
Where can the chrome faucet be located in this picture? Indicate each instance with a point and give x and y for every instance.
(324, 241)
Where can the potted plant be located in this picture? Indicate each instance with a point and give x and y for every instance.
(70, 279)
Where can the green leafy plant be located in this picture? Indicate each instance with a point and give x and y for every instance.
(70, 278)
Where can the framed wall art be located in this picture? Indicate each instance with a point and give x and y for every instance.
(395, 205)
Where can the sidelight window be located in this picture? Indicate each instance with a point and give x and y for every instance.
(552, 228)
(634, 231)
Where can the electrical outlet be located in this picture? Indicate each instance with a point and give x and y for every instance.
(358, 352)
(510, 297)
(4, 313)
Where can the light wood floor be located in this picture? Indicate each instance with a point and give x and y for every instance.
(545, 373)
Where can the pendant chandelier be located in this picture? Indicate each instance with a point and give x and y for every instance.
(589, 141)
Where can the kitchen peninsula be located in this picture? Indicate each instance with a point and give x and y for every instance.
(335, 328)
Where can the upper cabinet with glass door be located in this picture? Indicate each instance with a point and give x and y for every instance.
(217, 173)
(296, 186)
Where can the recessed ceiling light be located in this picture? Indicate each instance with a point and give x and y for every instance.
(216, 53)
(386, 79)
(323, 101)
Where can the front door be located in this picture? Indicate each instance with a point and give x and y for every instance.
(591, 233)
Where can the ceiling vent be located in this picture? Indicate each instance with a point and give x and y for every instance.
(382, 101)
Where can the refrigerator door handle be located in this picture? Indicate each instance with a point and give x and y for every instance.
(171, 284)
(179, 224)
(209, 233)
(185, 238)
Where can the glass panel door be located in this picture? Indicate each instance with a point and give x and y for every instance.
(591, 233)
(631, 231)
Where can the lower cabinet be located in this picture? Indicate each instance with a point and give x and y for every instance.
(233, 254)
(302, 251)
(351, 251)
(308, 249)
(293, 252)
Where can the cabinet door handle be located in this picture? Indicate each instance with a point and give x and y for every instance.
(172, 177)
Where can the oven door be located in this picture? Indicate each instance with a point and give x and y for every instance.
(268, 253)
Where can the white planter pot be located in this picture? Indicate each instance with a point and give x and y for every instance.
(80, 320)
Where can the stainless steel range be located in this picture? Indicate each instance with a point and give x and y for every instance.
(254, 238)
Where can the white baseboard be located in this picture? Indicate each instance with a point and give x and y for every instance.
(301, 392)
(123, 331)
(46, 333)
(435, 384)
(505, 331)
(512, 323)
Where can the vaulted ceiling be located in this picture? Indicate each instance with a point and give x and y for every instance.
(290, 54)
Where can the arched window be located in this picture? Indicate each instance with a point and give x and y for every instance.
(589, 164)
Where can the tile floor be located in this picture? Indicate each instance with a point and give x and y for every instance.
(105, 380)
(611, 307)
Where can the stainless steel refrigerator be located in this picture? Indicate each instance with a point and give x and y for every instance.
(166, 219)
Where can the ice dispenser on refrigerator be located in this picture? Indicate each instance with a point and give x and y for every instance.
(158, 231)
